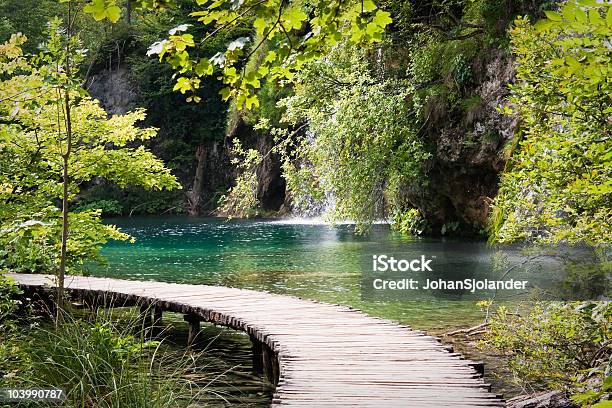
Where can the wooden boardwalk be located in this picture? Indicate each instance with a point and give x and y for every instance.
(319, 355)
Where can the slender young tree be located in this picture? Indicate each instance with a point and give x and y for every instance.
(53, 138)
(65, 167)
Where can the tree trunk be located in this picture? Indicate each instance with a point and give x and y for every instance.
(65, 179)
(128, 7)
(65, 227)
(194, 196)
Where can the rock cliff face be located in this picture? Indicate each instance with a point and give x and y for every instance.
(114, 89)
(468, 151)
(467, 147)
(209, 176)
(205, 168)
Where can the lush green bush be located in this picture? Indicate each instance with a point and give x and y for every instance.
(556, 345)
(98, 360)
(241, 200)
(558, 184)
(35, 171)
(106, 207)
(27, 17)
(557, 188)
(8, 298)
(97, 365)
(410, 222)
(11, 347)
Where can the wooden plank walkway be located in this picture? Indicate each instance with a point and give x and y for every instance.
(322, 355)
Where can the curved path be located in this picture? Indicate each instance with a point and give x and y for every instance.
(324, 355)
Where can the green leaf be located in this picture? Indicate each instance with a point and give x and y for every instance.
(572, 62)
(594, 17)
(113, 13)
(263, 70)
(97, 8)
(183, 41)
(382, 18)
(294, 18)
(603, 404)
(182, 84)
(271, 56)
(569, 12)
(368, 5)
(204, 67)
(252, 101)
(373, 29)
(581, 16)
(543, 25)
(252, 80)
(225, 93)
(260, 25)
(553, 15)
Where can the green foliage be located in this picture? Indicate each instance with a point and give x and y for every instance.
(462, 71)
(241, 200)
(410, 222)
(103, 9)
(34, 147)
(31, 240)
(276, 22)
(561, 346)
(27, 17)
(8, 299)
(449, 228)
(132, 200)
(558, 187)
(182, 125)
(363, 149)
(12, 314)
(435, 62)
(440, 72)
(98, 365)
(106, 207)
(102, 364)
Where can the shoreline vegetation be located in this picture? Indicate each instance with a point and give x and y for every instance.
(109, 358)
(481, 118)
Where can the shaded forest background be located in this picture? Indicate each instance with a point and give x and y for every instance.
(460, 76)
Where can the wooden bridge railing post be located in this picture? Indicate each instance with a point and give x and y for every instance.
(194, 328)
(257, 350)
(267, 363)
(275, 369)
(270, 364)
(157, 316)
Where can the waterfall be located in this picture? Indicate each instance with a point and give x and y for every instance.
(306, 206)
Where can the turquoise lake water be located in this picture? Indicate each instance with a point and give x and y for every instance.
(310, 260)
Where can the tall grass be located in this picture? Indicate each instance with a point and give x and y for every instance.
(105, 363)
